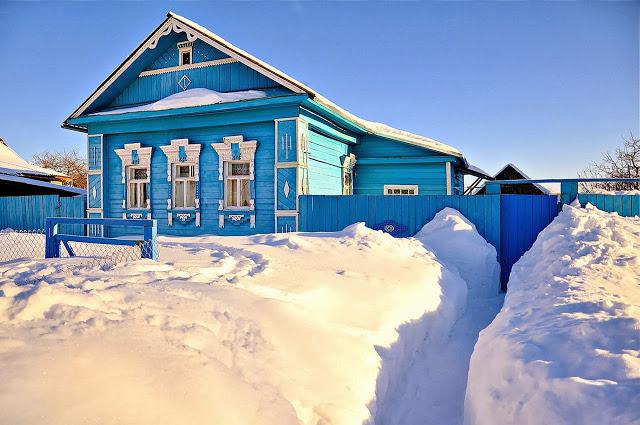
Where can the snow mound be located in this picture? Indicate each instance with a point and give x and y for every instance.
(189, 98)
(565, 349)
(286, 329)
(457, 243)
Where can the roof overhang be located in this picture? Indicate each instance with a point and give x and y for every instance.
(63, 190)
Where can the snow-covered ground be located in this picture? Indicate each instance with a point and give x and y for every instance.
(435, 383)
(294, 328)
(565, 349)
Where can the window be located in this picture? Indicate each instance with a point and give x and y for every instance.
(138, 181)
(184, 186)
(400, 189)
(237, 185)
(185, 58)
(185, 52)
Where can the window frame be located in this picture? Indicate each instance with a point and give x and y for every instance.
(401, 187)
(227, 177)
(192, 177)
(185, 48)
(130, 169)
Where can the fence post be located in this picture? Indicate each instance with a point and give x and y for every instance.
(51, 245)
(568, 191)
(150, 235)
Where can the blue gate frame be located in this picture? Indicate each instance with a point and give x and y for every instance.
(54, 238)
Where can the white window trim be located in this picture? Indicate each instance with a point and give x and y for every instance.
(138, 182)
(228, 176)
(191, 178)
(144, 161)
(413, 187)
(183, 47)
(172, 151)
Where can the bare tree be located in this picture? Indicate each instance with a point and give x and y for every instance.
(624, 162)
(70, 163)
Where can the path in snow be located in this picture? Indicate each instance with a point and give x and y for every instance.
(437, 380)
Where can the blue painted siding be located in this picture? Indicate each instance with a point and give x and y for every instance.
(287, 199)
(370, 178)
(286, 224)
(379, 147)
(94, 186)
(222, 78)
(94, 152)
(287, 141)
(209, 184)
(430, 178)
(325, 166)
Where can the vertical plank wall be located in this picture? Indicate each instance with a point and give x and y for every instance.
(624, 205)
(522, 218)
(30, 212)
(326, 213)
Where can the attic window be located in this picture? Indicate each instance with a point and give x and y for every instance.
(185, 52)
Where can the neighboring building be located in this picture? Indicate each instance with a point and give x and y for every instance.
(511, 172)
(19, 177)
(202, 136)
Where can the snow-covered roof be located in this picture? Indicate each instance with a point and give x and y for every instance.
(59, 188)
(189, 98)
(13, 164)
(174, 21)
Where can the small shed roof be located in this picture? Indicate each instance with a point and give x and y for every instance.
(13, 164)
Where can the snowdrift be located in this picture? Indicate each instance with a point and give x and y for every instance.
(286, 329)
(565, 349)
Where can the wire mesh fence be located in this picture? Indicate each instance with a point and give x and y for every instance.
(16, 244)
(30, 245)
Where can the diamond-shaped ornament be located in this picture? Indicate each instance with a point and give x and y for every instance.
(184, 82)
(286, 189)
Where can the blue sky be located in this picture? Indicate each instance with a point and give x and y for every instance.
(548, 86)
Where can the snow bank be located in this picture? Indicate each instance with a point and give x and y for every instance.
(457, 243)
(433, 385)
(286, 329)
(188, 98)
(565, 349)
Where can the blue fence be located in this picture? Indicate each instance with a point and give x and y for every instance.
(398, 215)
(54, 237)
(31, 212)
(522, 218)
(511, 223)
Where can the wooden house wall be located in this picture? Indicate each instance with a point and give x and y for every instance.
(370, 178)
(263, 132)
(325, 167)
(222, 78)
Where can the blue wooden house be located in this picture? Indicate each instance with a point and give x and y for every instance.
(204, 137)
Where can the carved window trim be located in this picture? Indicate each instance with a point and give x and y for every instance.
(133, 155)
(181, 152)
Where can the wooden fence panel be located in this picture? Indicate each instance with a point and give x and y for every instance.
(30, 212)
(522, 218)
(624, 205)
(330, 213)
